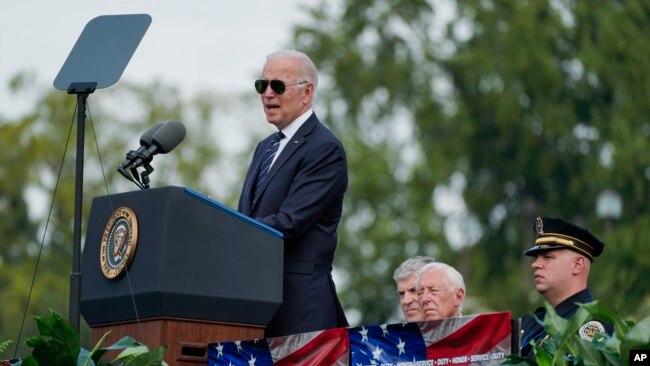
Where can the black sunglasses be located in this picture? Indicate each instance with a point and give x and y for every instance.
(277, 86)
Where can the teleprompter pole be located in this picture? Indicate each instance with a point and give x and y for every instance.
(82, 90)
(96, 61)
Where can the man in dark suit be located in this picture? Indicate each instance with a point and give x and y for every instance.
(295, 184)
(563, 254)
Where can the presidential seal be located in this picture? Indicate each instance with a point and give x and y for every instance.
(119, 240)
(589, 329)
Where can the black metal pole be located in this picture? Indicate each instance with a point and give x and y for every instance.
(75, 275)
(82, 90)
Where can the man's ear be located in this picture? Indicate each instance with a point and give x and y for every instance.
(460, 295)
(308, 94)
(579, 264)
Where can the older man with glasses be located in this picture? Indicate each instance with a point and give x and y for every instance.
(295, 184)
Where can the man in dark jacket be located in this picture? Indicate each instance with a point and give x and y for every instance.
(295, 184)
(563, 255)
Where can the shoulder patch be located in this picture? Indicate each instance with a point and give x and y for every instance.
(589, 329)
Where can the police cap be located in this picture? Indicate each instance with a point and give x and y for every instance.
(554, 233)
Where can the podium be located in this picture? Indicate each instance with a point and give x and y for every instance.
(199, 272)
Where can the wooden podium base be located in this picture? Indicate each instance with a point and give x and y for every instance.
(187, 338)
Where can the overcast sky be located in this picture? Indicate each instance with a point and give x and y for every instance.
(216, 45)
(195, 44)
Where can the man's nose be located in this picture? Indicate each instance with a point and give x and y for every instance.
(268, 92)
(423, 298)
(536, 263)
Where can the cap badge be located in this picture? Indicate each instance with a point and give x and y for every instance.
(539, 226)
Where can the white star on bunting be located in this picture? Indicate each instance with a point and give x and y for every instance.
(400, 346)
(364, 334)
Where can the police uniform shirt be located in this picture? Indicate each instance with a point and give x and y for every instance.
(531, 330)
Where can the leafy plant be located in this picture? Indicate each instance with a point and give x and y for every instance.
(58, 345)
(565, 347)
(3, 347)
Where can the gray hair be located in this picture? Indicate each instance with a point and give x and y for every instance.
(454, 278)
(411, 266)
(307, 71)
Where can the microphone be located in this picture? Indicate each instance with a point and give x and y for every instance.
(145, 141)
(163, 140)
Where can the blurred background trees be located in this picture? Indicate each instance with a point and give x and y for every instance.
(465, 120)
(462, 122)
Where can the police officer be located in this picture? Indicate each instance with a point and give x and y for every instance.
(563, 255)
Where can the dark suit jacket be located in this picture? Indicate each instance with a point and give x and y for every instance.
(302, 197)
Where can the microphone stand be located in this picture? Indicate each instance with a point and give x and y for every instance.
(145, 175)
(82, 90)
(126, 175)
(140, 179)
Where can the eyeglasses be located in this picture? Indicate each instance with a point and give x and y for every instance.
(277, 86)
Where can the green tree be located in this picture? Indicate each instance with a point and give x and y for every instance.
(462, 122)
(520, 108)
(38, 168)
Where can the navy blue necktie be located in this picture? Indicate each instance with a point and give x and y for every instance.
(271, 150)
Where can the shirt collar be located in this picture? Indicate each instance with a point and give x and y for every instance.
(567, 307)
(294, 126)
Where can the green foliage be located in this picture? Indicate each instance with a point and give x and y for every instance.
(37, 175)
(57, 344)
(564, 346)
(508, 110)
(4, 345)
(451, 112)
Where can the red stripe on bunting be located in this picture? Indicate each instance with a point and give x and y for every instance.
(481, 335)
(325, 349)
